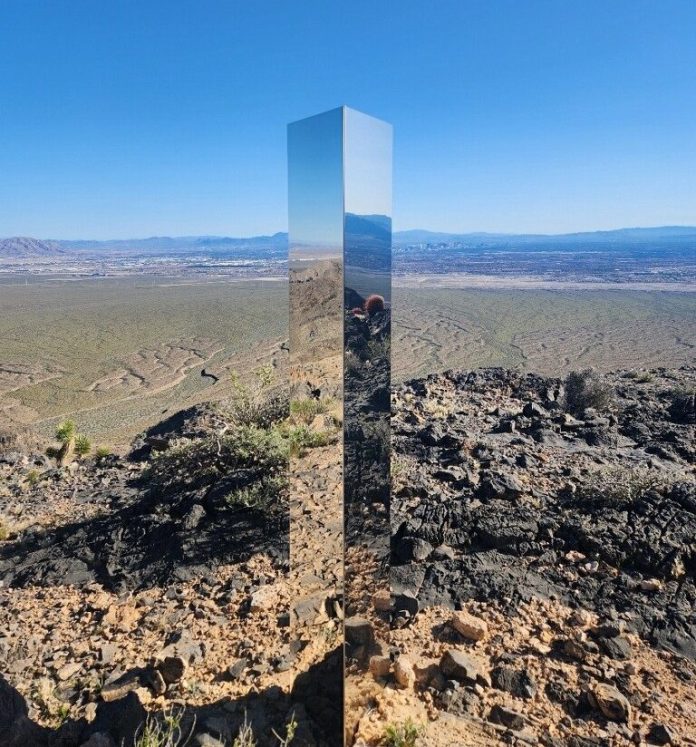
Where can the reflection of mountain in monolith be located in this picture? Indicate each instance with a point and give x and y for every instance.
(368, 254)
(367, 338)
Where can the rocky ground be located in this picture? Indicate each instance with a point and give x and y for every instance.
(167, 590)
(543, 570)
(555, 552)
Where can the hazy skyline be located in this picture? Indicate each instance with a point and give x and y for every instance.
(132, 119)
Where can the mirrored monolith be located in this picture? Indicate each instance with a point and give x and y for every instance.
(340, 337)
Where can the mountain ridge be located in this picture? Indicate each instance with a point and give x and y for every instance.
(22, 246)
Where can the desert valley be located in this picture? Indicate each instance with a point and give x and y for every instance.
(543, 507)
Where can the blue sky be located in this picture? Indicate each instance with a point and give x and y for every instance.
(127, 118)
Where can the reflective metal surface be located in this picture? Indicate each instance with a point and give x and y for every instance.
(367, 357)
(340, 339)
(315, 198)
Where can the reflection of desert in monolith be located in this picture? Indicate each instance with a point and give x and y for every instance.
(369, 609)
(316, 452)
(315, 164)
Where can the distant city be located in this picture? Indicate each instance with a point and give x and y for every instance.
(629, 255)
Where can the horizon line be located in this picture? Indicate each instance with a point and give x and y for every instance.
(397, 231)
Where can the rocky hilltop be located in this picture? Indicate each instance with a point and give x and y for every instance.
(543, 570)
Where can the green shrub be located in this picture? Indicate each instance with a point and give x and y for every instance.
(82, 445)
(161, 730)
(263, 412)
(377, 349)
(682, 407)
(641, 377)
(245, 737)
(305, 410)
(587, 389)
(258, 496)
(290, 729)
(354, 366)
(102, 452)
(254, 403)
(257, 456)
(66, 431)
(33, 477)
(71, 442)
(403, 734)
(618, 487)
(301, 438)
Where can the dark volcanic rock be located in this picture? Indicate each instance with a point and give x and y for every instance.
(517, 682)
(616, 489)
(170, 522)
(506, 717)
(460, 666)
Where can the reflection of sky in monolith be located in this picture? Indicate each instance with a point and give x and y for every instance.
(315, 186)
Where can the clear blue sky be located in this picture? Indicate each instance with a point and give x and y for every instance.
(140, 117)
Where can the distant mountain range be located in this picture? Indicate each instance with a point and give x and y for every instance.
(622, 236)
(276, 245)
(21, 246)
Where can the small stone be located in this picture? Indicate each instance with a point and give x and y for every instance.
(580, 618)
(574, 556)
(172, 669)
(122, 617)
(144, 695)
(380, 666)
(183, 645)
(460, 666)
(310, 610)
(194, 517)
(613, 705)
(573, 649)
(661, 734)
(107, 652)
(617, 647)
(236, 670)
(506, 717)
(407, 602)
(534, 410)
(121, 686)
(443, 552)
(381, 600)
(519, 683)
(263, 599)
(470, 627)
(404, 674)
(68, 671)
(460, 702)
(100, 739)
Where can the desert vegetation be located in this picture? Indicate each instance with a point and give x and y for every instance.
(585, 390)
(402, 734)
